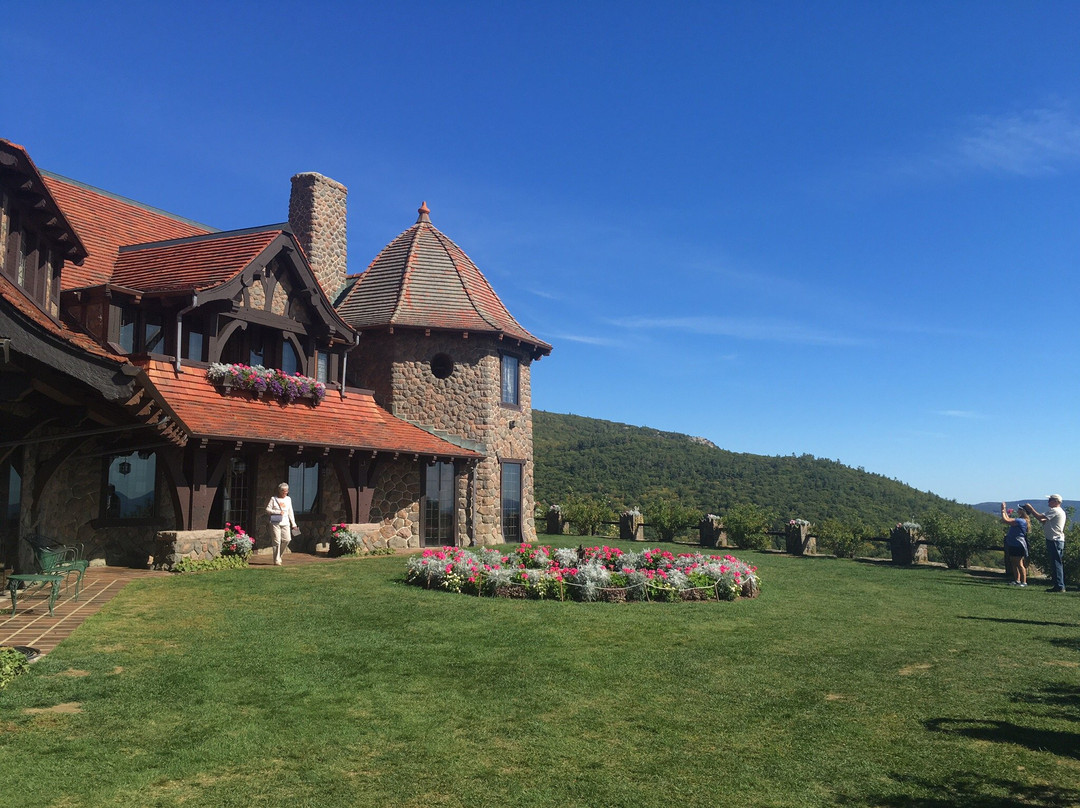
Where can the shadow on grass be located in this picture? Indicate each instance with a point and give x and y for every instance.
(1063, 699)
(1063, 744)
(970, 789)
(1023, 623)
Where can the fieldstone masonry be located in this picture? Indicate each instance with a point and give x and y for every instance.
(174, 545)
(465, 404)
(317, 208)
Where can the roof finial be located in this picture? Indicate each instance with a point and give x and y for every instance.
(423, 210)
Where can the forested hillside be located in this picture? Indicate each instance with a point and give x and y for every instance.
(628, 465)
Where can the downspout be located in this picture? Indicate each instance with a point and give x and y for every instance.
(180, 327)
(345, 365)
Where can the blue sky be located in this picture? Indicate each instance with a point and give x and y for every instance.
(844, 229)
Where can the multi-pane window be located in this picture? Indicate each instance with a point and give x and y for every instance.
(438, 510)
(511, 501)
(510, 379)
(130, 486)
(304, 486)
(236, 492)
(322, 367)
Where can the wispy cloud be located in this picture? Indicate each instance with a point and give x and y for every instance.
(1030, 143)
(604, 341)
(543, 294)
(764, 329)
(960, 414)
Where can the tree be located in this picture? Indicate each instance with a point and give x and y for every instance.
(669, 517)
(747, 525)
(587, 514)
(841, 538)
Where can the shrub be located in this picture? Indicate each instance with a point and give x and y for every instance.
(12, 663)
(669, 517)
(237, 542)
(842, 539)
(587, 514)
(747, 525)
(222, 562)
(957, 537)
(344, 542)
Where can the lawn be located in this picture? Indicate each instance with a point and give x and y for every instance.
(335, 684)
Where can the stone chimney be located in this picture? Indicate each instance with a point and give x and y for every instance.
(317, 217)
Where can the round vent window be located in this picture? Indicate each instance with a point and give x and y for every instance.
(442, 366)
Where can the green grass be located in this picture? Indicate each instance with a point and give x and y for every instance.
(335, 684)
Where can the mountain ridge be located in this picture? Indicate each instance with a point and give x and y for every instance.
(629, 465)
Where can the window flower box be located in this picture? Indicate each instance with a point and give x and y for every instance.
(269, 381)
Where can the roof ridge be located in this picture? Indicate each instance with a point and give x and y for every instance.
(399, 298)
(244, 231)
(126, 200)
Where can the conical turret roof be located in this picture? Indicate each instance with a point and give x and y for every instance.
(422, 279)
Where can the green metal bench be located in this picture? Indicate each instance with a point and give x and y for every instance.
(27, 581)
(53, 557)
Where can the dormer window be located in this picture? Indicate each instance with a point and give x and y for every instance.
(125, 328)
(290, 359)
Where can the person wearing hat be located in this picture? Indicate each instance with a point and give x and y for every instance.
(1053, 522)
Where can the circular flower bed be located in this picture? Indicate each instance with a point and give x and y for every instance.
(586, 574)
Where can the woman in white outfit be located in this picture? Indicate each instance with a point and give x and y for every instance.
(282, 520)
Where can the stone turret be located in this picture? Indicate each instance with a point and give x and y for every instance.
(440, 350)
(317, 217)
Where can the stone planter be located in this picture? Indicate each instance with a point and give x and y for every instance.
(798, 540)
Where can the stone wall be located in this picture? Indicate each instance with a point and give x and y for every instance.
(170, 546)
(396, 503)
(466, 404)
(317, 211)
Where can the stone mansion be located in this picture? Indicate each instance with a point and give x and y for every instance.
(132, 421)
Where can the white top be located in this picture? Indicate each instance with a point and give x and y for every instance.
(1054, 526)
(282, 505)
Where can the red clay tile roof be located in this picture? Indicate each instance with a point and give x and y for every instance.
(192, 264)
(355, 422)
(423, 279)
(106, 222)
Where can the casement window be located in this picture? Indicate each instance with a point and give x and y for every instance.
(510, 379)
(437, 505)
(130, 486)
(291, 363)
(153, 333)
(511, 502)
(322, 367)
(126, 317)
(304, 486)
(195, 339)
